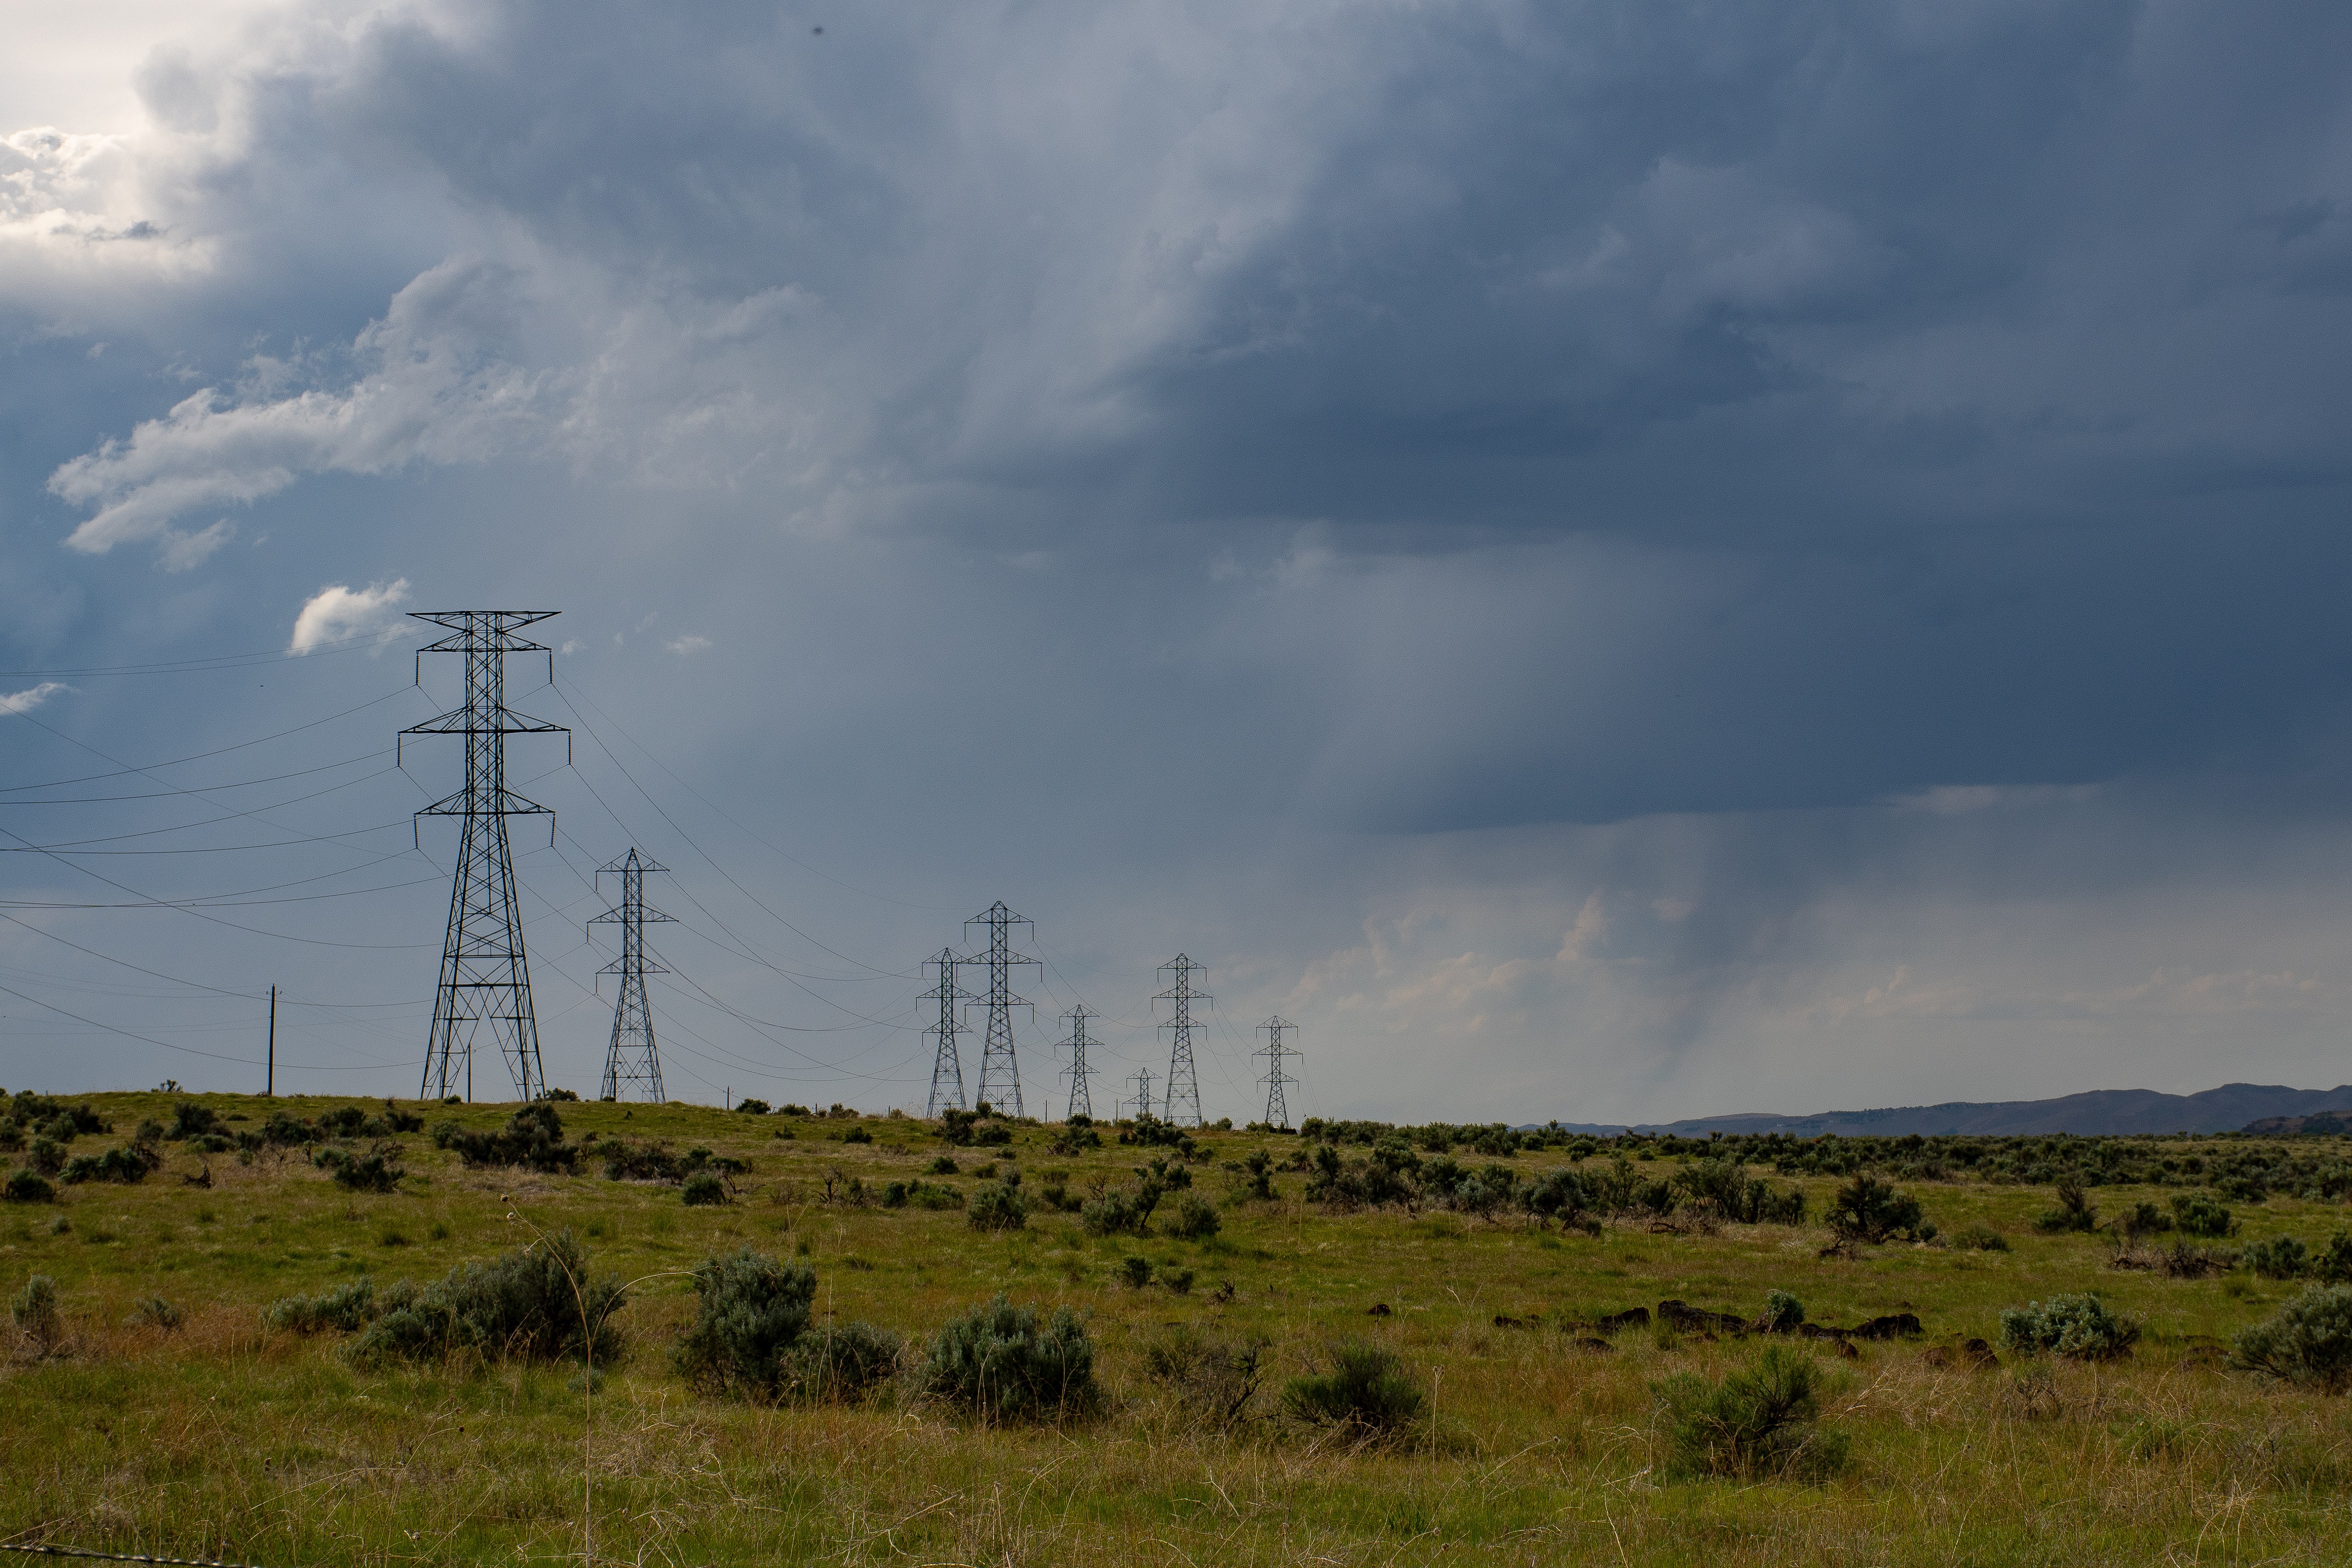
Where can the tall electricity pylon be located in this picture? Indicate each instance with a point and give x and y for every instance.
(1184, 1089)
(1277, 1109)
(1082, 1099)
(485, 979)
(1000, 1073)
(1141, 1103)
(632, 1058)
(947, 1067)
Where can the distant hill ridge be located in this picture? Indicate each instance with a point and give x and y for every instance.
(2230, 1107)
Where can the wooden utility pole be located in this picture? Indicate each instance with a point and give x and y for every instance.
(271, 1087)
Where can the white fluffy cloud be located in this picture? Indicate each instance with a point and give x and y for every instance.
(429, 388)
(31, 697)
(337, 613)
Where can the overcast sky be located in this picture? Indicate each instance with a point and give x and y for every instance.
(1614, 561)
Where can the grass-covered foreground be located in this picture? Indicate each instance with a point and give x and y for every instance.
(1536, 1439)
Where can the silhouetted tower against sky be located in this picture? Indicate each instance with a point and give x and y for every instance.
(1082, 1099)
(1000, 1073)
(1183, 1088)
(631, 1065)
(1277, 1109)
(947, 1067)
(1141, 1104)
(485, 980)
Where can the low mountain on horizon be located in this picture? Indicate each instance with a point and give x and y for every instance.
(2228, 1109)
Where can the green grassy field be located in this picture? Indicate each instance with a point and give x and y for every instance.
(220, 1437)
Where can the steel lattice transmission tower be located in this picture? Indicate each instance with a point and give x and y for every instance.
(1184, 1089)
(1142, 1101)
(947, 1067)
(631, 1058)
(1277, 1109)
(485, 979)
(1000, 1073)
(1081, 1098)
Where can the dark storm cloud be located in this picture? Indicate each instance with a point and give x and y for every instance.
(1226, 468)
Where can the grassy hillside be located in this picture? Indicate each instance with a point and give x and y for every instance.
(220, 1437)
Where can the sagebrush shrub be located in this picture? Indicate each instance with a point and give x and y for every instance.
(2078, 1327)
(703, 1189)
(1193, 1218)
(2197, 1215)
(1135, 1272)
(2309, 1341)
(1868, 1209)
(1366, 1389)
(753, 1310)
(1006, 1364)
(533, 1137)
(1763, 1420)
(156, 1312)
(2073, 1211)
(344, 1309)
(378, 1170)
(997, 1206)
(1115, 1213)
(126, 1162)
(842, 1363)
(34, 1310)
(1782, 1313)
(537, 1304)
(27, 1187)
(1981, 1237)
(2332, 1265)
(2278, 1257)
(1212, 1377)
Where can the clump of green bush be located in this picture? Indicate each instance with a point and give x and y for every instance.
(1980, 1238)
(1005, 1363)
(34, 1310)
(2308, 1342)
(753, 1309)
(703, 1189)
(1782, 1313)
(843, 1362)
(920, 1193)
(27, 1187)
(540, 1303)
(1212, 1377)
(1193, 1218)
(2073, 1211)
(2080, 1328)
(1365, 1388)
(344, 1309)
(126, 1162)
(378, 1170)
(998, 1206)
(1117, 1212)
(751, 1335)
(1868, 1209)
(2197, 1215)
(1762, 1421)
(532, 1138)
(2278, 1257)
(154, 1311)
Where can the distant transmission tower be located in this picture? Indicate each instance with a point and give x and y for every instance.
(947, 1067)
(1141, 1104)
(632, 1059)
(1000, 1073)
(1082, 1099)
(1277, 1109)
(1184, 1091)
(485, 980)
